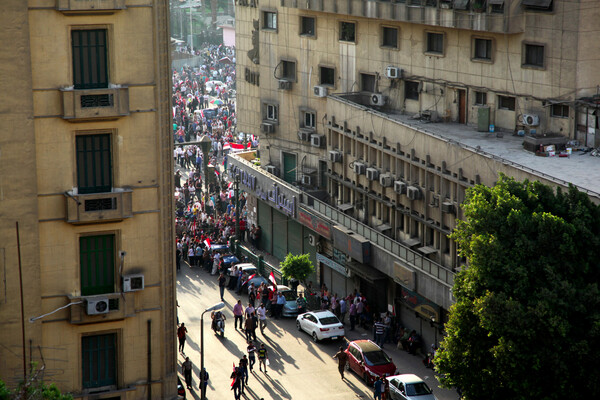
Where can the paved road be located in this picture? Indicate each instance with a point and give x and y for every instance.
(299, 368)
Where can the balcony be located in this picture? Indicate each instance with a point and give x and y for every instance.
(95, 104)
(427, 12)
(120, 306)
(99, 207)
(71, 7)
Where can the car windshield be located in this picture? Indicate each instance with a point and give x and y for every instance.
(289, 295)
(377, 357)
(329, 320)
(417, 389)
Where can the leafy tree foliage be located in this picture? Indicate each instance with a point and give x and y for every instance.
(526, 322)
(297, 267)
(34, 390)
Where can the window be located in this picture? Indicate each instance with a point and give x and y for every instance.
(538, 5)
(269, 20)
(97, 263)
(482, 49)
(533, 55)
(310, 119)
(307, 26)
(480, 98)
(327, 76)
(435, 43)
(506, 103)
(271, 112)
(497, 6)
(90, 64)
(94, 169)
(348, 31)
(411, 90)
(99, 360)
(389, 37)
(288, 70)
(560, 111)
(367, 82)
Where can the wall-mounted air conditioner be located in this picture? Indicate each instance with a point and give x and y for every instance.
(531, 120)
(335, 156)
(96, 305)
(393, 72)
(320, 91)
(376, 99)
(386, 180)
(413, 193)
(312, 240)
(267, 127)
(317, 140)
(359, 168)
(305, 133)
(132, 283)
(400, 187)
(272, 170)
(307, 180)
(372, 174)
(447, 207)
(284, 84)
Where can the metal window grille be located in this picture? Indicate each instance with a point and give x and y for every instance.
(99, 360)
(97, 264)
(94, 167)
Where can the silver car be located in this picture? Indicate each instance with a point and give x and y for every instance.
(409, 387)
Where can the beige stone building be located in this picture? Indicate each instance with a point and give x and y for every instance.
(86, 190)
(382, 113)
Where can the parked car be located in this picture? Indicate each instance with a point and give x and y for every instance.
(228, 260)
(257, 280)
(219, 248)
(248, 268)
(368, 361)
(409, 387)
(320, 325)
(290, 308)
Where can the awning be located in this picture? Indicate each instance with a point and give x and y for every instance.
(427, 250)
(412, 242)
(366, 272)
(461, 4)
(383, 227)
(541, 4)
(345, 206)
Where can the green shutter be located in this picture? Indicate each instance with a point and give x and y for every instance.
(279, 235)
(294, 237)
(94, 164)
(98, 355)
(289, 167)
(266, 225)
(90, 64)
(97, 262)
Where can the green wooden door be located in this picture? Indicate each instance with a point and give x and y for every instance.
(97, 264)
(280, 237)
(294, 237)
(289, 167)
(266, 225)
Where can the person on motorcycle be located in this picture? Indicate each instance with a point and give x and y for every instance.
(217, 316)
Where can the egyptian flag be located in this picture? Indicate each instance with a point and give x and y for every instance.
(229, 185)
(272, 279)
(248, 279)
(207, 242)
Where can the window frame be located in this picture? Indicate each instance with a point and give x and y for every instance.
(301, 26)
(102, 188)
(85, 85)
(264, 20)
(304, 112)
(412, 90)
(477, 93)
(371, 75)
(502, 107)
(383, 36)
(426, 43)
(524, 55)
(274, 107)
(340, 27)
(321, 67)
(285, 64)
(560, 115)
(112, 381)
(92, 265)
(475, 57)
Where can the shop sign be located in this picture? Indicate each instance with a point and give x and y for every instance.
(315, 223)
(333, 265)
(268, 192)
(420, 304)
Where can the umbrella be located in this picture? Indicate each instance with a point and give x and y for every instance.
(216, 102)
(225, 60)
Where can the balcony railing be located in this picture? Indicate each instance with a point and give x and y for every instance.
(99, 207)
(90, 6)
(94, 104)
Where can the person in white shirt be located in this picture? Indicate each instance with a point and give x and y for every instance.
(262, 317)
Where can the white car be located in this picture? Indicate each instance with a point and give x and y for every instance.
(320, 325)
(409, 387)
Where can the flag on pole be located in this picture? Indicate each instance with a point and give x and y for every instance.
(248, 279)
(229, 185)
(272, 279)
(207, 242)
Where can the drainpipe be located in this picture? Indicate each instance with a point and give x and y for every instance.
(149, 359)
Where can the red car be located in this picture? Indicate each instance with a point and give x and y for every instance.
(369, 361)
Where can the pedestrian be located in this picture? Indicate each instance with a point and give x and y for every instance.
(263, 359)
(238, 314)
(251, 354)
(186, 369)
(379, 329)
(301, 303)
(353, 316)
(181, 331)
(236, 385)
(343, 309)
(249, 327)
(203, 382)
(244, 367)
(342, 357)
(262, 318)
(378, 385)
(221, 280)
(280, 303)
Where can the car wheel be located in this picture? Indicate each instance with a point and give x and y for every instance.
(298, 325)
(315, 338)
(347, 366)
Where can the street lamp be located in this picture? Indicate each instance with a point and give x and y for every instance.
(217, 306)
(205, 145)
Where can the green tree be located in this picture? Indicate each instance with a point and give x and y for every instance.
(297, 267)
(33, 390)
(526, 322)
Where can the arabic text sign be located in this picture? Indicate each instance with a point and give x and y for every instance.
(315, 223)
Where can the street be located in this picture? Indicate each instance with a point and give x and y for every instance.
(299, 368)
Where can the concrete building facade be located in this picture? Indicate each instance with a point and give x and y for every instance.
(382, 114)
(86, 198)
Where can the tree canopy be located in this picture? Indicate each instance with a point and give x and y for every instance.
(297, 267)
(526, 322)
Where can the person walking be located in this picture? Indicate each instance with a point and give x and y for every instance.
(238, 314)
(343, 309)
(342, 358)
(301, 303)
(280, 304)
(378, 386)
(203, 382)
(236, 385)
(221, 281)
(186, 369)
(262, 318)
(353, 316)
(244, 369)
(251, 354)
(249, 327)
(379, 332)
(262, 357)
(181, 331)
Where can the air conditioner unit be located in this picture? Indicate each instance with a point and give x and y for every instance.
(284, 84)
(267, 127)
(531, 119)
(317, 140)
(447, 207)
(307, 180)
(372, 174)
(376, 99)
(272, 169)
(96, 305)
(320, 91)
(386, 180)
(400, 187)
(304, 134)
(359, 168)
(413, 192)
(335, 156)
(132, 283)
(312, 240)
(393, 72)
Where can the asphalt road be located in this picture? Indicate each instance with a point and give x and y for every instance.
(299, 368)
